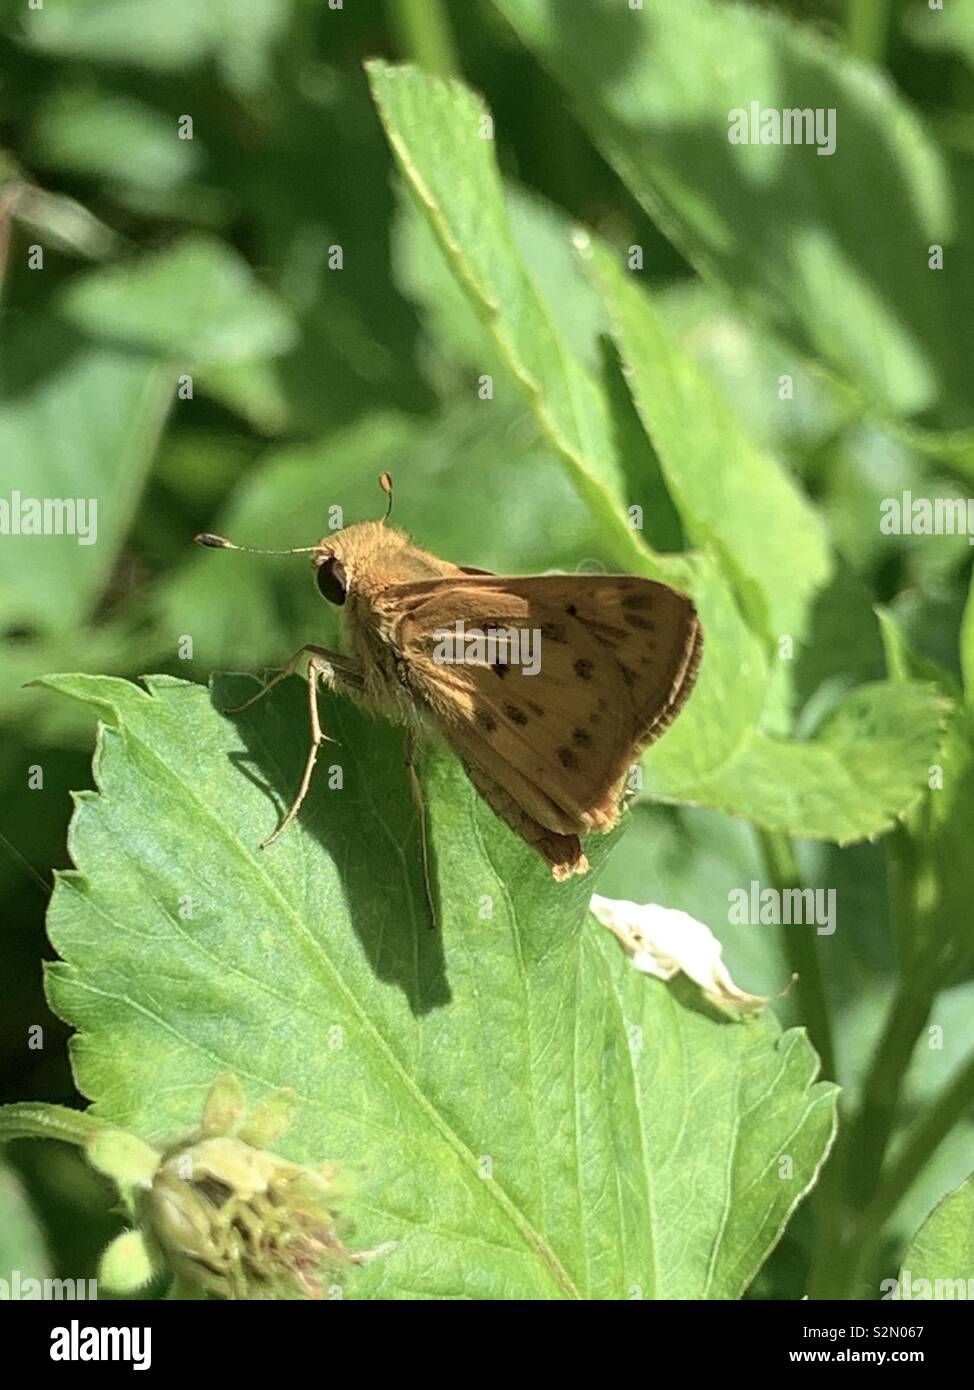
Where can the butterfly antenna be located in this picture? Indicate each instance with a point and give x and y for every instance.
(385, 482)
(206, 538)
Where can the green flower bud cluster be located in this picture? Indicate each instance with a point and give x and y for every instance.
(228, 1217)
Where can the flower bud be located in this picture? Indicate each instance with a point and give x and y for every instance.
(243, 1223)
(126, 1265)
(229, 1217)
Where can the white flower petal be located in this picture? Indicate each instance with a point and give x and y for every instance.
(661, 941)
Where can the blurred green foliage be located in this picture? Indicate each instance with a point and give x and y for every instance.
(336, 258)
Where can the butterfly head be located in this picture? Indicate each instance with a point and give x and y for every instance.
(339, 556)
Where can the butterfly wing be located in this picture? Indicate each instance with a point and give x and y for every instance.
(616, 659)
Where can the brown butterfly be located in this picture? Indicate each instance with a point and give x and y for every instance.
(546, 687)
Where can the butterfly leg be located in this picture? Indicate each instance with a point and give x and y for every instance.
(340, 668)
(419, 802)
(323, 664)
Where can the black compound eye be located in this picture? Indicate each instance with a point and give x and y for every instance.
(330, 577)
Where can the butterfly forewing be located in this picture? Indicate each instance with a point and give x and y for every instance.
(616, 658)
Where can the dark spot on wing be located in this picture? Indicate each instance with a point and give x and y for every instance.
(515, 714)
(566, 757)
(581, 738)
(500, 668)
(571, 610)
(606, 633)
(535, 708)
(583, 668)
(552, 632)
(638, 598)
(486, 721)
(644, 624)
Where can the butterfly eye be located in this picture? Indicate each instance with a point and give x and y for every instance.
(330, 577)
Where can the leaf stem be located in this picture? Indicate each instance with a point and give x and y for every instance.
(859, 1211)
(801, 950)
(38, 1120)
(873, 1126)
(922, 1141)
(423, 35)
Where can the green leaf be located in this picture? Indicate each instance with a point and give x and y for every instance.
(866, 768)
(541, 234)
(239, 34)
(748, 362)
(830, 249)
(942, 1251)
(198, 302)
(91, 132)
(22, 1244)
(732, 496)
(436, 129)
(529, 1117)
(116, 403)
(113, 648)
